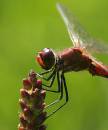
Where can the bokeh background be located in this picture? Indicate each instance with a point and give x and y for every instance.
(29, 26)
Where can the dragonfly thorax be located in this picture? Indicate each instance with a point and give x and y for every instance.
(74, 59)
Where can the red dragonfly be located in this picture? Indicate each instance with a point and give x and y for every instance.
(75, 58)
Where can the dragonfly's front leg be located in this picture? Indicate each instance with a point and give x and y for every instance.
(50, 78)
(58, 82)
(41, 75)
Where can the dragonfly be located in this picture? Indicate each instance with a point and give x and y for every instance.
(75, 58)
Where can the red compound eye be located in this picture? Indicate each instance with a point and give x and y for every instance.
(40, 61)
(46, 58)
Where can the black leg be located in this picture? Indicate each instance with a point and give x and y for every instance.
(58, 82)
(63, 84)
(60, 90)
(48, 71)
(51, 82)
(51, 78)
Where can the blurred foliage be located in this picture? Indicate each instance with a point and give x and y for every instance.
(28, 26)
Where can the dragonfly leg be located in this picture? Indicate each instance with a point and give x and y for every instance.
(58, 81)
(65, 87)
(50, 79)
(60, 90)
(62, 85)
(46, 72)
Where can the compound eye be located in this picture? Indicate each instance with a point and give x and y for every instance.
(46, 58)
(40, 61)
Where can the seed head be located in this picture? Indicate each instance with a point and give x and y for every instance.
(32, 104)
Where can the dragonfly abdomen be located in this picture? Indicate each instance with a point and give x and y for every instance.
(98, 69)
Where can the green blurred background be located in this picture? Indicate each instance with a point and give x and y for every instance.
(28, 26)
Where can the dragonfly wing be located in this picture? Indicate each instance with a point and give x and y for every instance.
(68, 20)
(97, 46)
(77, 33)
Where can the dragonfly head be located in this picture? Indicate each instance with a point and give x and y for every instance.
(46, 58)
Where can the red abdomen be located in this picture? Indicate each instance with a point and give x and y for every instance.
(98, 69)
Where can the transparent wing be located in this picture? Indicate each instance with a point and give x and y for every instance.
(77, 33)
